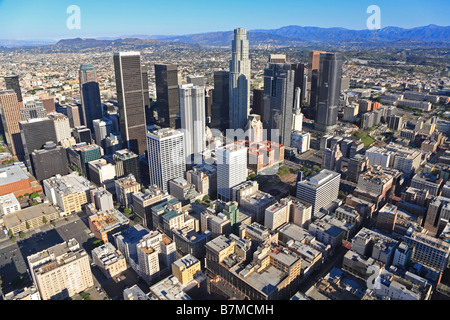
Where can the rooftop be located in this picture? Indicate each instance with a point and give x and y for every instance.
(12, 174)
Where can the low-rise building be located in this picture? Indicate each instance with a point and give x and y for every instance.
(110, 260)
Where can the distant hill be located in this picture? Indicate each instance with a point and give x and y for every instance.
(426, 36)
(294, 34)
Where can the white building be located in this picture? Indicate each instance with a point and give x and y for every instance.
(380, 157)
(62, 126)
(193, 120)
(231, 169)
(166, 156)
(301, 141)
(102, 129)
(297, 120)
(8, 204)
(319, 190)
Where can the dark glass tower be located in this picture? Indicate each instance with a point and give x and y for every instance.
(220, 117)
(91, 104)
(35, 133)
(299, 69)
(148, 112)
(166, 78)
(12, 83)
(279, 93)
(130, 98)
(49, 161)
(329, 89)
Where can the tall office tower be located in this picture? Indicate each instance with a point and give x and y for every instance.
(166, 78)
(12, 83)
(279, 90)
(166, 156)
(148, 112)
(10, 115)
(49, 104)
(90, 95)
(239, 80)
(61, 271)
(258, 101)
(32, 110)
(127, 162)
(220, 115)
(395, 122)
(356, 165)
(297, 120)
(331, 158)
(329, 91)
(130, 98)
(192, 112)
(82, 134)
(73, 113)
(299, 82)
(231, 169)
(62, 126)
(102, 129)
(35, 133)
(313, 76)
(49, 161)
(319, 190)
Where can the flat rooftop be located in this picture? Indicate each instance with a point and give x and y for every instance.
(12, 174)
(16, 218)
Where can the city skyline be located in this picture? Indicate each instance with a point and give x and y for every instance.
(48, 20)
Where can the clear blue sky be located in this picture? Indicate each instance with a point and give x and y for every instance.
(46, 19)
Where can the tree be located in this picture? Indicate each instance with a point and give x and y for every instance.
(26, 194)
(22, 234)
(10, 233)
(127, 210)
(137, 220)
(53, 223)
(206, 198)
(27, 225)
(13, 239)
(44, 220)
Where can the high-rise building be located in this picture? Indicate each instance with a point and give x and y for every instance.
(102, 129)
(35, 133)
(166, 78)
(49, 104)
(231, 169)
(49, 161)
(130, 98)
(258, 101)
(313, 76)
(220, 116)
(12, 83)
(62, 126)
(166, 156)
(239, 80)
(82, 134)
(10, 115)
(61, 271)
(300, 81)
(279, 88)
(73, 113)
(90, 95)
(192, 113)
(81, 154)
(329, 86)
(148, 111)
(319, 190)
(297, 120)
(32, 109)
(127, 162)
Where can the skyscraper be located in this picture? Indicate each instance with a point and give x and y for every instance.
(32, 109)
(192, 113)
(166, 156)
(313, 76)
(10, 115)
(297, 120)
(300, 77)
(279, 90)
(166, 78)
(220, 118)
(12, 83)
(147, 106)
(319, 190)
(130, 98)
(239, 80)
(90, 95)
(329, 86)
(127, 162)
(231, 169)
(49, 161)
(102, 128)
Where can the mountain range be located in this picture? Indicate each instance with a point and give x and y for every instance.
(284, 36)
